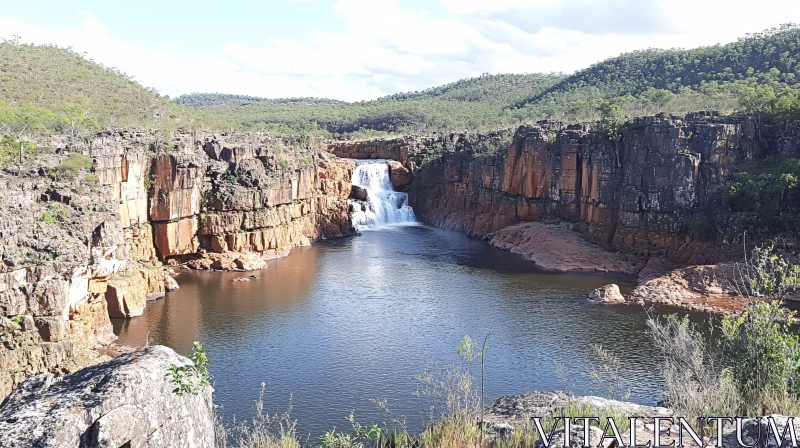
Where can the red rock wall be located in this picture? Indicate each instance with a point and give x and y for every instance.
(635, 196)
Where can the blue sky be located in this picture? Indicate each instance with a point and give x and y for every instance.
(363, 49)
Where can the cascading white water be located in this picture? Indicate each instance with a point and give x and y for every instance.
(384, 205)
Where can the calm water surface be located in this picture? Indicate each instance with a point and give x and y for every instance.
(342, 322)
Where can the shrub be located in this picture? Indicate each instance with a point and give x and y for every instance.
(74, 163)
(764, 357)
(764, 187)
(766, 274)
(262, 431)
(56, 212)
(191, 378)
(697, 385)
(754, 368)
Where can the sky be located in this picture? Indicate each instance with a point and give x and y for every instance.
(357, 50)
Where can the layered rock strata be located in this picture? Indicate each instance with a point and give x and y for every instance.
(646, 194)
(59, 247)
(638, 195)
(81, 245)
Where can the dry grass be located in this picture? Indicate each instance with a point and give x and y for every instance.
(262, 431)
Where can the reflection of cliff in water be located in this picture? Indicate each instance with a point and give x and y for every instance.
(196, 312)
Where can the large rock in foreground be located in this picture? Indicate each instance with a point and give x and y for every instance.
(127, 401)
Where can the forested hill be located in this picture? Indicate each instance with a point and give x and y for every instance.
(774, 50)
(55, 88)
(771, 57)
(747, 75)
(225, 99)
(46, 89)
(469, 103)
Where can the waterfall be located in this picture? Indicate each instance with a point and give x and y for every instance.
(384, 206)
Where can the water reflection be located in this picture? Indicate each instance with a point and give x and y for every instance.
(344, 321)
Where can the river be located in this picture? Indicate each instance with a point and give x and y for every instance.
(345, 321)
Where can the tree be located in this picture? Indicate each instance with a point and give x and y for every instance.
(21, 123)
(659, 97)
(757, 101)
(785, 109)
(78, 118)
(611, 120)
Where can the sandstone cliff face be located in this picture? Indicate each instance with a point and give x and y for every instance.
(59, 246)
(127, 401)
(76, 252)
(639, 195)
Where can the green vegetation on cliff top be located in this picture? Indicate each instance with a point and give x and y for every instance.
(47, 89)
(59, 90)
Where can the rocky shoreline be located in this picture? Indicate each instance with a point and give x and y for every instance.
(130, 401)
(512, 413)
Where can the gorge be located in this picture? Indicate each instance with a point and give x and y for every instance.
(78, 254)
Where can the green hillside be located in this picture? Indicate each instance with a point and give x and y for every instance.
(701, 78)
(59, 90)
(469, 103)
(749, 74)
(48, 89)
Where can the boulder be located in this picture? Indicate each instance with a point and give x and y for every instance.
(519, 408)
(608, 295)
(128, 291)
(401, 177)
(127, 401)
(359, 193)
(169, 283)
(229, 261)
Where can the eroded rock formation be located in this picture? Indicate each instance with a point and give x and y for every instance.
(77, 250)
(638, 195)
(556, 247)
(59, 246)
(651, 193)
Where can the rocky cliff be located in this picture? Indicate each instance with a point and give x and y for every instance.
(656, 190)
(81, 244)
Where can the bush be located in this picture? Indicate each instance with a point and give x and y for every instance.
(754, 369)
(764, 357)
(766, 274)
(74, 163)
(262, 431)
(191, 378)
(56, 212)
(697, 384)
(766, 187)
(91, 178)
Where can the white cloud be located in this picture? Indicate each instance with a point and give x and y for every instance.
(382, 48)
